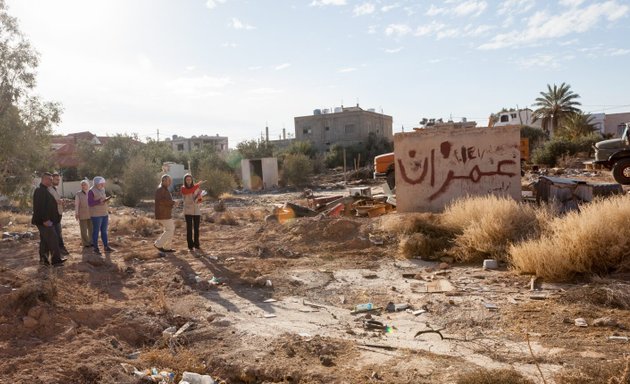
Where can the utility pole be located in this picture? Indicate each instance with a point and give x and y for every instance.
(158, 134)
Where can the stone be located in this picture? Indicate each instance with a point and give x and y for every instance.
(605, 322)
(29, 322)
(490, 264)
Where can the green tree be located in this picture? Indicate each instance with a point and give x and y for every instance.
(576, 125)
(303, 147)
(253, 149)
(555, 105)
(25, 121)
(158, 152)
(296, 169)
(110, 159)
(139, 180)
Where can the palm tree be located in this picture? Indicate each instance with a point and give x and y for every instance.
(555, 105)
(576, 125)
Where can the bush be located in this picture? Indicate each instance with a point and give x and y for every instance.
(296, 170)
(486, 226)
(218, 181)
(553, 150)
(139, 180)
(587, 242)
(495, 376)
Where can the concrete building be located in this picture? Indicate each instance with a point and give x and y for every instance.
(259, 174)
(182, 144)
(517, 117)
(614, 123)
(342, 126)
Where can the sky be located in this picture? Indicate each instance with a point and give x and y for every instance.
(232, 67)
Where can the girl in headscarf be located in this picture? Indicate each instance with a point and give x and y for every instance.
(99, 202)
(192, 212)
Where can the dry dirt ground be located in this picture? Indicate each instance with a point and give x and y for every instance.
(78, 323)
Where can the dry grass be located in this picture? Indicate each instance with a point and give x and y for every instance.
(497, 376)
(609, 372)
(421, 235)
(18, 221)
(608, 295)
(486, 226)
(179, 361)
(593, 241)
(29, 295)
(142, 225)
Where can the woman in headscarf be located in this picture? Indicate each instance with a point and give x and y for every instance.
(191, 194)
(82, 213)
(99, 202)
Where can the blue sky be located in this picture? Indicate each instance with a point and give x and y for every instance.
(229, 67)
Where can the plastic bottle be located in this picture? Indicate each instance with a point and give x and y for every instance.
(363, 307)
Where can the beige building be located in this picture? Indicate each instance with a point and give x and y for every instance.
(182, 144)
(614, 123)
(342, 126)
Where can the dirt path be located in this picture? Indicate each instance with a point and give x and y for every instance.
(96, 312)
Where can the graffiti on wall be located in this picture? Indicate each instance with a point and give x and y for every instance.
(435, 167)
(419, 167)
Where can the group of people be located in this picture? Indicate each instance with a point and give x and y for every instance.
(164, 203)
(91, 210)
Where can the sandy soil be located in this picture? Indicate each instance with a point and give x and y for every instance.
(77, 324)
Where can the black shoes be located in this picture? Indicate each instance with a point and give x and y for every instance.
(59, 263)
(43, 260)
(97, 251)
(109, 249)
(163, 250)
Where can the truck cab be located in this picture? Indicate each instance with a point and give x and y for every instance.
(614, 154)
(384, 168)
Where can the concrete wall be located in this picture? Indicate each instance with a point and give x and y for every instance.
(614, 123)
(268, 178)
(437, 166)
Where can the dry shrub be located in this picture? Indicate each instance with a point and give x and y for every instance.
(486, 226)
(591, 241)
(30, 295)
(608, 295)
(179, 361)
(421, 234)
(610, 372)
(495, 376)
(423, 246)
(142, 225)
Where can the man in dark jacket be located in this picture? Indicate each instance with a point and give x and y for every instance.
(163, 214)
(45, 214)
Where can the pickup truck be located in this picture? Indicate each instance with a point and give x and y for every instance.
(614, 154)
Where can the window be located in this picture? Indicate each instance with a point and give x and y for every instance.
(197, 145)
(328, 128)
(349, 129)
(307, 130)
(180, 147)
(505, 118)
(513, 115)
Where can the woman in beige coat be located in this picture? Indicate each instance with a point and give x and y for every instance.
(82, 214)
(191, 194)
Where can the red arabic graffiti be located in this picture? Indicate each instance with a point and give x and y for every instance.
(462, 155)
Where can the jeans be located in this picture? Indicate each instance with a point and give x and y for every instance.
(100, 223)
(190, 228)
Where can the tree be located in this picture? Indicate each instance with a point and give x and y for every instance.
(296, 169)
(25, 121)
(139, 180)
(111, 159)
(576, 125)
(252, 149)
(555, 105)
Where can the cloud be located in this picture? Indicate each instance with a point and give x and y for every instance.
(397, 29)
(372, 29)
(387, 8)
(282, 66)
(539, 61)
(364, 9)
(515, 7)
(229, 45)
(429, 29)
(543, 26)
(619, 52)
(237, 24)
(470, 8)
(322, 3)
(211, 4)
(571, 3)
(346, 70)
(394, 50)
